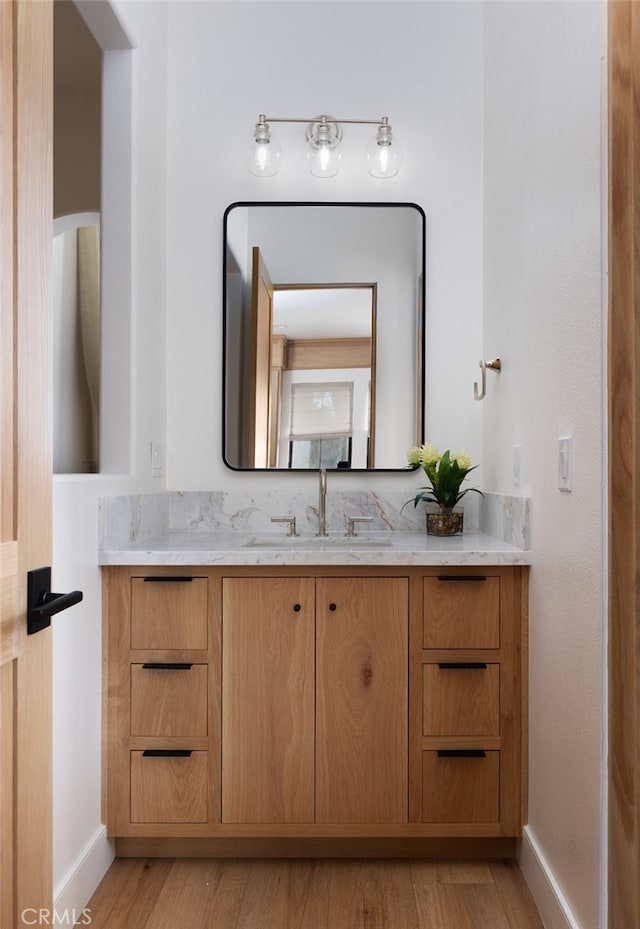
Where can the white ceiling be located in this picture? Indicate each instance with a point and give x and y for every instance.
(323, 313)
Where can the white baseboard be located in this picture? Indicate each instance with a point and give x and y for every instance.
(552, 904)
(77, 887)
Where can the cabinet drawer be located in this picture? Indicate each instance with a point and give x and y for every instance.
(169, 613)
(460, 787)
(169, 700)
(461, 612)
(461, 699)
(169, 787)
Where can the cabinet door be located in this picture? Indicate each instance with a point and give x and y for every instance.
(169, 699)
(460, 786)
(169, 786)
(460, 699)
(168, 613)
(361, 700)
(461, 611)
(268, 700)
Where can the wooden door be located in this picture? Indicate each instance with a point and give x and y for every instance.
(361, 700)
(624, 474)
(268, 700)
(26, 48)
(260, 389)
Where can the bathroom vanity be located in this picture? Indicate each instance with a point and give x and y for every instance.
(310, 699)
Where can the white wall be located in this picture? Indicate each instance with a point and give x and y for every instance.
(230, 61)
(542, 314)
(134, 307)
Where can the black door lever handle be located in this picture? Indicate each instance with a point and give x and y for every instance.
(42, 603)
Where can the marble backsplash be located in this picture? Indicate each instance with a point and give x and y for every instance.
(506, 518)
(134, 517)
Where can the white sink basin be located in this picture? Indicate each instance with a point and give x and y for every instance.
(315, 541)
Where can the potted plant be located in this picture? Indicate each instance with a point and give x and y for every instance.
(445, 473)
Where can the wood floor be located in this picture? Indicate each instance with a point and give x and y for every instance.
(211, 893)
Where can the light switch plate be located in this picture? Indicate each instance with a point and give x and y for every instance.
(517, 465)
(565, 463)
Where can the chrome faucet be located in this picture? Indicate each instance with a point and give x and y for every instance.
(322, 503)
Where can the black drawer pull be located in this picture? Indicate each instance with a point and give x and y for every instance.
(460, 665)
(461, 753)
(167, 666)
(296, 607)
(333, 607)
(167, 753)
(168, 579)
(462, 577)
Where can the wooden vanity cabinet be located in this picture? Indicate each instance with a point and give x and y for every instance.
(315, 689)
(362, 691)
(268, 713)
(469, 727)
(161, 644)
(314, 703)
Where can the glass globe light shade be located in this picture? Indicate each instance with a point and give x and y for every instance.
(384, 153)
(324, 161)
(323, 149)
(265, 152)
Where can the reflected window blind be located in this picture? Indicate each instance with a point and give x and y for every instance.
(321, 410)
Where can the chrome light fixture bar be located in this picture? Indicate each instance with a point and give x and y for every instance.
(324, 135)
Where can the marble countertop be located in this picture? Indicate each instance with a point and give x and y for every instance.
(252, 548)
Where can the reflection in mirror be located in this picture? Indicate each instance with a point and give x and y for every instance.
(76, 343)
(323, 325)
(322, 403)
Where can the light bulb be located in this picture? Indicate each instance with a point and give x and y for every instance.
(324, 161)
(384, 154)
(323, 149)
(264, 156)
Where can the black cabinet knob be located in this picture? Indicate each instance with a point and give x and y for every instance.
(332, 607)
(296, 607)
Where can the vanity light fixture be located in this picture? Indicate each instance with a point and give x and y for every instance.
(324, 135)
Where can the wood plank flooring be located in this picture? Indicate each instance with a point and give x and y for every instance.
(214, 893)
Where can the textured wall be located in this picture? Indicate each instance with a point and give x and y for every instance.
(543, 314)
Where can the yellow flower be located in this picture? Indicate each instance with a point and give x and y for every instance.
(445, 474)
(463, 460)
(430, 454)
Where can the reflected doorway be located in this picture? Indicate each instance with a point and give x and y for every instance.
(77, 183)
(323, 375)
(76, 343)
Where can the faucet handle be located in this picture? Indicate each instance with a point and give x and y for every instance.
(351, 523)
(286, 519)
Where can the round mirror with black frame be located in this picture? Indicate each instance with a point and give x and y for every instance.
(323, 335)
